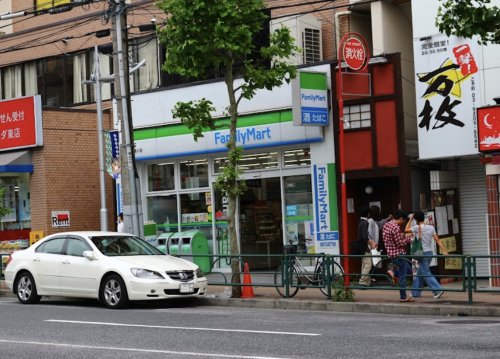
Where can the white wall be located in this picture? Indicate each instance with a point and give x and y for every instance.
(392, 32)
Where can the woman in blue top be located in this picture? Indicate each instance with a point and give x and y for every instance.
(426, 233)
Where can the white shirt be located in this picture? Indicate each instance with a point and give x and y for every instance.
(121, 227)
(373, 230)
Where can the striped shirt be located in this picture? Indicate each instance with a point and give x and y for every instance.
(394, 241)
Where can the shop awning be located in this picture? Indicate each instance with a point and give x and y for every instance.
(19, 161)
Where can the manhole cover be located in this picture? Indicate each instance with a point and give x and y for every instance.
(470, 321)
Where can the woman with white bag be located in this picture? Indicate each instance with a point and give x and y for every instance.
(426, 233)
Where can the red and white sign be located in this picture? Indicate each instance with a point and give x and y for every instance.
(488, 126)
(21, 123)
(354, 53)
(60, 219)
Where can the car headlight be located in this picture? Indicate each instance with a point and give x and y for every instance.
(146, 274)
(199, 273)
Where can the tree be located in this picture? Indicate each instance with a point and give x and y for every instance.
(466, 18)
(205, 35)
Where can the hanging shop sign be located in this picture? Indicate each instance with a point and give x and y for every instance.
(112, 143)
(326, 228)
(21, 123)
(447, 91)
(310, 98)
(488, 128)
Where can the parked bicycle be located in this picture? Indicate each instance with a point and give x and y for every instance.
(295, 275)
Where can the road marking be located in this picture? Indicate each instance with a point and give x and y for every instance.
(76, 346)
(183, 328)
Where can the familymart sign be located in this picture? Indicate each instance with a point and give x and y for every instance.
(310, 99)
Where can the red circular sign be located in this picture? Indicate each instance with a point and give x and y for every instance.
(354, 53)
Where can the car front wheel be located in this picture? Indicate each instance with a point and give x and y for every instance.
(113, 293)
(26, 289)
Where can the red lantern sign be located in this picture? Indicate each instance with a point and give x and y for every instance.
(488, 125)
(354, 53)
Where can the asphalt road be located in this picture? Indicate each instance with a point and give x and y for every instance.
(83, 329)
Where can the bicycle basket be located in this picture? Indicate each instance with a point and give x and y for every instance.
(290, 249)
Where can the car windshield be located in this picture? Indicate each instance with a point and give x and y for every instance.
(113, 246)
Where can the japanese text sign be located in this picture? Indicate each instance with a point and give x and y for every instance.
(20, 123)
(447, 92)
(310, 98)
(354, 53)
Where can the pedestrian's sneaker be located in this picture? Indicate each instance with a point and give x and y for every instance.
(437, 296)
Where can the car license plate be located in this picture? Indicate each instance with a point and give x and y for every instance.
(186, 288)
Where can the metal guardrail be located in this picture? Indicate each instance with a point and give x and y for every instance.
(467, 274)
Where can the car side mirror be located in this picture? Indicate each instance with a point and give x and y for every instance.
(90, 255)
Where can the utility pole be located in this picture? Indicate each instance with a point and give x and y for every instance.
(132, 209)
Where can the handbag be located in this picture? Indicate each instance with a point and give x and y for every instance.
(376, 258)
(416, 249)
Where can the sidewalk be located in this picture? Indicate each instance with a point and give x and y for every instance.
(365, 301)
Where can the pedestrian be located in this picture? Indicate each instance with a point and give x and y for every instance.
(426, 233)
(395, 244)
(368, 243)
(120, 226)
(375, 225)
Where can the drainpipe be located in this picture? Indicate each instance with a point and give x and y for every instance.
(337, 26)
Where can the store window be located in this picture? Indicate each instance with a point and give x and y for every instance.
(249, 162)
(358, 116)
(196, 212)
(194, 173)
(17, 201)
(162, 210)
(297, 157)
(299, 211)
(161, 177)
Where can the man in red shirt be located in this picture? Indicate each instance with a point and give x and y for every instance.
(395, 243)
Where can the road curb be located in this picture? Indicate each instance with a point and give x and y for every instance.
(444, 309)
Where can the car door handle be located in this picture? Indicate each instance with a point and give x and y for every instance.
(36, 259)
(66, 262)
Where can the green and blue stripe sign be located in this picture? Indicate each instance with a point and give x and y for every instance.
(326, 227)
(310, 98)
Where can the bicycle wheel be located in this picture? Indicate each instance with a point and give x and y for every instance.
(293, 282)
(336, 276)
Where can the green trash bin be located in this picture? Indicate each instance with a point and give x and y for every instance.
(162, 241)
(191, 242)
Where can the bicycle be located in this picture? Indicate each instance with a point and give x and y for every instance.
(297, 274)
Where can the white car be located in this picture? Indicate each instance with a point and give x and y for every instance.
(112, 267)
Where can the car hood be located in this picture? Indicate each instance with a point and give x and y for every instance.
(159, 262)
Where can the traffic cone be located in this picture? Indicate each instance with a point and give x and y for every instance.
(247, 291)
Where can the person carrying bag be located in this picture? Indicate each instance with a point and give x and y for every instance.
(424, 234)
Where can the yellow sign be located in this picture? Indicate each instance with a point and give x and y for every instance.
(47, 4)
(453, 263)
(450, 243)
(35, 236)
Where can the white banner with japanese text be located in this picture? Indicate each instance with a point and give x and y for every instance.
(447, 87)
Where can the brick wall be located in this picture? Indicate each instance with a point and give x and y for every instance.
(66, 172)
(493, 226)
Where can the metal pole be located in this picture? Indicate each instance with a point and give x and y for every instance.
(136, 228)
(343, 186)
(102, 180)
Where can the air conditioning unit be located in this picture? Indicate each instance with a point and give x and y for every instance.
(306, 30)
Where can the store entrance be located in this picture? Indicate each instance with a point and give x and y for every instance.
(261, 222)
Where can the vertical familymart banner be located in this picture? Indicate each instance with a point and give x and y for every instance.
(310, 99)
(326, 226)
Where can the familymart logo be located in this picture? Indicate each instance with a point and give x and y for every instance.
(244, 136)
